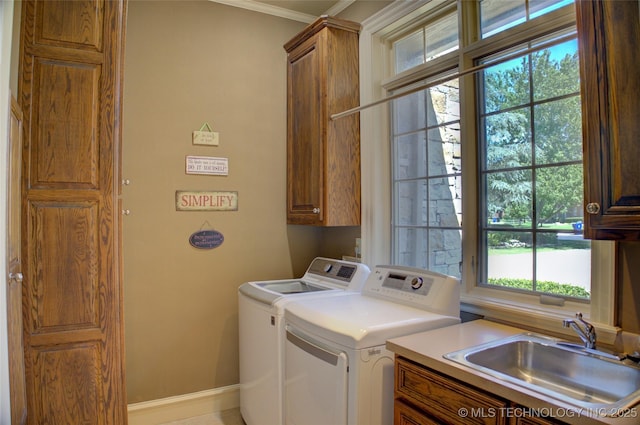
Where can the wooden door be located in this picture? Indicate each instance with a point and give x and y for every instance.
(306, 134)
(14, 278)
(609, 36)
(71, 94)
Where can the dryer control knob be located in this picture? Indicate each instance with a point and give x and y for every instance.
(416, 283)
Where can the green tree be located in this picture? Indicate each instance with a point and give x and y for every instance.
(533, 134)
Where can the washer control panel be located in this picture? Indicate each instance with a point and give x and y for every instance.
(344, 272)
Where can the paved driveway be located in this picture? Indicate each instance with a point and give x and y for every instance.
(572, 266)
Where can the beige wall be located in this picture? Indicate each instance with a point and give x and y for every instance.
(188, 63)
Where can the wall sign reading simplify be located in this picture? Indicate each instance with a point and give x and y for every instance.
(206, 201)
(208, 165)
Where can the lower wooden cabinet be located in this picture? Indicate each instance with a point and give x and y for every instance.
(530, 420)
(404, 414)
(425, 397)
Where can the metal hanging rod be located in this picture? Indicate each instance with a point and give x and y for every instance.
(441, 80)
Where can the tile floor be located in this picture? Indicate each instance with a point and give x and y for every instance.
(226, 417)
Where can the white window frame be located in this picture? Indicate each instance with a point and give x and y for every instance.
(376, 72)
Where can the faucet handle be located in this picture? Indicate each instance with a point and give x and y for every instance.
(587, 335)
(584, 322)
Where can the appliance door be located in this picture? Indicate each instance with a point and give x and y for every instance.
(315, 382)
(260, 366)
(269, 292)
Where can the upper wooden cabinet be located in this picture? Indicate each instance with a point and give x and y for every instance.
(323, 155)
(609, 37)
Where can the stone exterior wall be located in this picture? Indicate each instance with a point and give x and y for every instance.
(430, 201)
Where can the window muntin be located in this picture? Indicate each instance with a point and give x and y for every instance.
(531, 173)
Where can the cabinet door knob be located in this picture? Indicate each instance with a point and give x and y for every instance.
(593, 208)
(16, 276)
(316, 210)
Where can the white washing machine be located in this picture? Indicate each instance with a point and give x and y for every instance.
(337, 369)
(261, 331)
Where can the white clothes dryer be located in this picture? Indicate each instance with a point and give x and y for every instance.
(337, 368)
(261, 331)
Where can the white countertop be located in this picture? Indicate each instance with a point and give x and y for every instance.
(428, 348)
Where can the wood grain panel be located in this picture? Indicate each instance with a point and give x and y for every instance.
(64, 237)
(609, 38)
(323, 156)
(76, 23)
(306, 147)
(17, 380)
(67, 390)
(343, 175)
(64, 149)
(624, 92)
(403, 414)
(71, 95)
(443, 397)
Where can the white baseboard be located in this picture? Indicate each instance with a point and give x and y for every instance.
(169, 409)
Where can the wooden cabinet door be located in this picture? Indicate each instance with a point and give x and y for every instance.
(403, 414)
(323, 155)
(306, 134)
(609, 36)
(17, 382)
(70, 94)
(442, 398)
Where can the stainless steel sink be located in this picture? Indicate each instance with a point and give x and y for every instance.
(581, 377)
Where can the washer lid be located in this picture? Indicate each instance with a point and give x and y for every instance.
(324, 276)
(357, 321)
(269, 292)
(292, 287)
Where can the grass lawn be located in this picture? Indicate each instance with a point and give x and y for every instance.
(528, 225)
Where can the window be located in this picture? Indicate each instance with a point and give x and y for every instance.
(528, 134)
(531, 174)
(481, 173)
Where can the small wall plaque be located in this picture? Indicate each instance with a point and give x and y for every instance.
(207, 165)
(206, 201)
(206, 239)
(205, 136)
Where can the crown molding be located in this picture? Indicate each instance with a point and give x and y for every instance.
(339, 7)
(269, 10)
(283, 12)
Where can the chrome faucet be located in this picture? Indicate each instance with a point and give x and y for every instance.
(586, 332)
